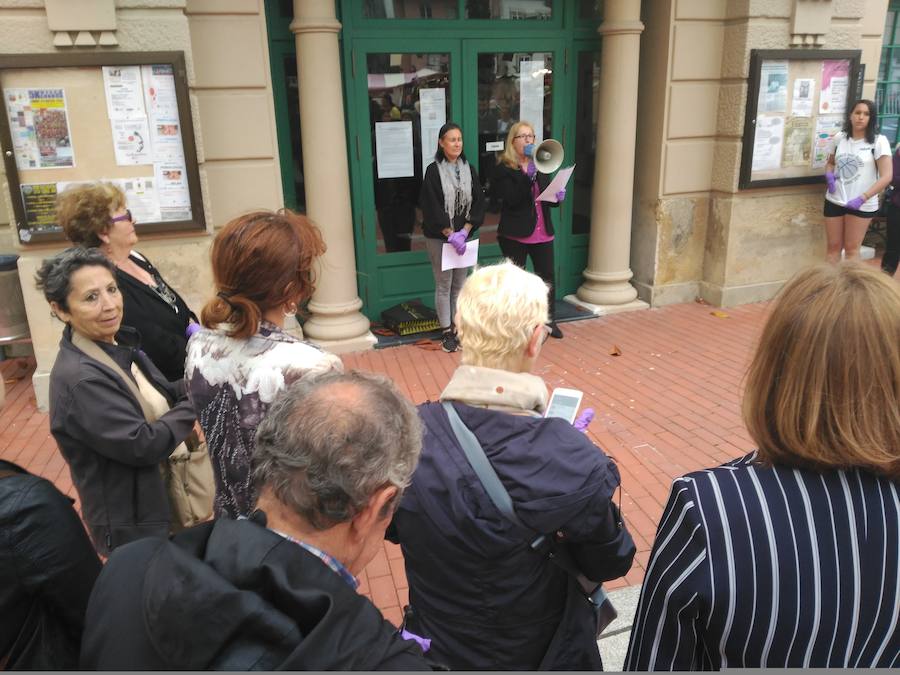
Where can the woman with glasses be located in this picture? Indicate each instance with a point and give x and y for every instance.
(452, 204)
(526, 228)
(95, 216)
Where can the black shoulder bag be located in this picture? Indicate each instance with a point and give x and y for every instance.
(604, 612)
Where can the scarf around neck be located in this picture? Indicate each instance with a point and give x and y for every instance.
(456, 184)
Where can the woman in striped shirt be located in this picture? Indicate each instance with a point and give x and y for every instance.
(789, 557)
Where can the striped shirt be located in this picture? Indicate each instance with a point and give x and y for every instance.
(772, 567)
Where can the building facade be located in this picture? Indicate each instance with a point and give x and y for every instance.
(332, 107)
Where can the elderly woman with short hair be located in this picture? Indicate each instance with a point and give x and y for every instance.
(788, 557)
(112, 449)
(485, 598)
(95, 215)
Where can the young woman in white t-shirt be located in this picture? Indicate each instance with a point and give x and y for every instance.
(858, 168)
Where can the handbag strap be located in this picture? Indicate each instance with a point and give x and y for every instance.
(90, 348)
(498, 494)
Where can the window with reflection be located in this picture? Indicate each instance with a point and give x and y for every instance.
(585, 146)
(409, 100)
(887, 89)
(511, 86)
(590, 9)
(410, 9)
(510, 9)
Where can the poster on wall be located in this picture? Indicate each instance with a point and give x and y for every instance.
(172, 191)
(773, 87)
(39, 126)
(797, 141)
(131, 141)
(159, 92)
(142, 200)
(835, 84)
(432, 116)
(21, 126)
(768, 142)
(124, 92)
(40, 205)
(826, 128)
(802, 102)
(531, 95)
(394, 149)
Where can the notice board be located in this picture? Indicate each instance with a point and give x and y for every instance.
(123, 118)
(797, 100)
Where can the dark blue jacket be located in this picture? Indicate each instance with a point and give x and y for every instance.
(487, 600)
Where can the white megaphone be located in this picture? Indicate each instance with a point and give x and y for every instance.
(548, 156)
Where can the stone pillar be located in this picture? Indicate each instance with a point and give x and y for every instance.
(606, 284)
(336, 322)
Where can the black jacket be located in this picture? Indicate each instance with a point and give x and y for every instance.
(232, 595)
(161, 327)
(47, 570)
(431, 201)
(484, 597)
(518, 213)
(112, 451)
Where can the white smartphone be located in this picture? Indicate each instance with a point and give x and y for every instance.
(564, 403)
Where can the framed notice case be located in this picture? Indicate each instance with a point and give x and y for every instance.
(797, 100)
(122, 118)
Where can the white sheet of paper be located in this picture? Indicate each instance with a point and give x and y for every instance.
(394, 149)
(451, 260)
(559, 182)
(432, 116)
(531, 96)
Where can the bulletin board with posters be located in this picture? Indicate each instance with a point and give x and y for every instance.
(797, 100)
(123, 118)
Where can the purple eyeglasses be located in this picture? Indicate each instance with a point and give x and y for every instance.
(125, 216)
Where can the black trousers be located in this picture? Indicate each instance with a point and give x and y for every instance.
(541, 260)
(892, 248)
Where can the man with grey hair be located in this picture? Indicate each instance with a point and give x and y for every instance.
(277, 590)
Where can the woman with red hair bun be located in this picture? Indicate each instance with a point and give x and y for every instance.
(263, 272)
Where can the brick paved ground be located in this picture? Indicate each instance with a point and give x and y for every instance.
(667, 405)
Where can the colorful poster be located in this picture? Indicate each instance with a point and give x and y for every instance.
(797, 141)
(394, 149)
(39, 201)
(124, 92)
(166, 141)
(767, 142)
(802, 103)
(433, 115)
(21, 127)
(826, 128)
(835, 81)
(773, 87)
(131, 141)
(172, 191)
(51, 128)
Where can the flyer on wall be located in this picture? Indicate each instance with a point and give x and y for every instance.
(797, 145)
(124, 92)
(767, 143)
(159, 92)
(51, 128)
(172, 191)
(826, 128)
(21, 127)
(131, 141)
(802, 103)
(433, 115)
(165, 139)
(39, 202)
(394, 149)
(142, 200)
(531, 96)
(835, 81)
(773, 87)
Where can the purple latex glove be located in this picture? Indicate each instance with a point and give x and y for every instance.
(458, 241)
(531, 170)
(192, 328)
(424, 643)
(560, 196)
(856, 202)
(829, 179)
(583, 420)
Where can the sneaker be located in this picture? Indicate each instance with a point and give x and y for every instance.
(449, 343)
(555, 332)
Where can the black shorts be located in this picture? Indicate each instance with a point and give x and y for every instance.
(833, 210)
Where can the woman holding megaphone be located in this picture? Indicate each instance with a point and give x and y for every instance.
(526, 228)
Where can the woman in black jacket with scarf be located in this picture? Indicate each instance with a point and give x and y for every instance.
(452, 203)
(524, 229)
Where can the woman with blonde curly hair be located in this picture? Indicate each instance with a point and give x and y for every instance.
(262, 266)
(95, 215)
(788, 557)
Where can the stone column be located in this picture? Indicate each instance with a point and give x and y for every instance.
(606, 287)
(336, 322)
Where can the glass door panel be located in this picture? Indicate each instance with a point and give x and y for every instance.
(409, 99)
(587, 73)
(511, 86)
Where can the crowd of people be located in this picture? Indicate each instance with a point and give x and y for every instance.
(506, 518)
